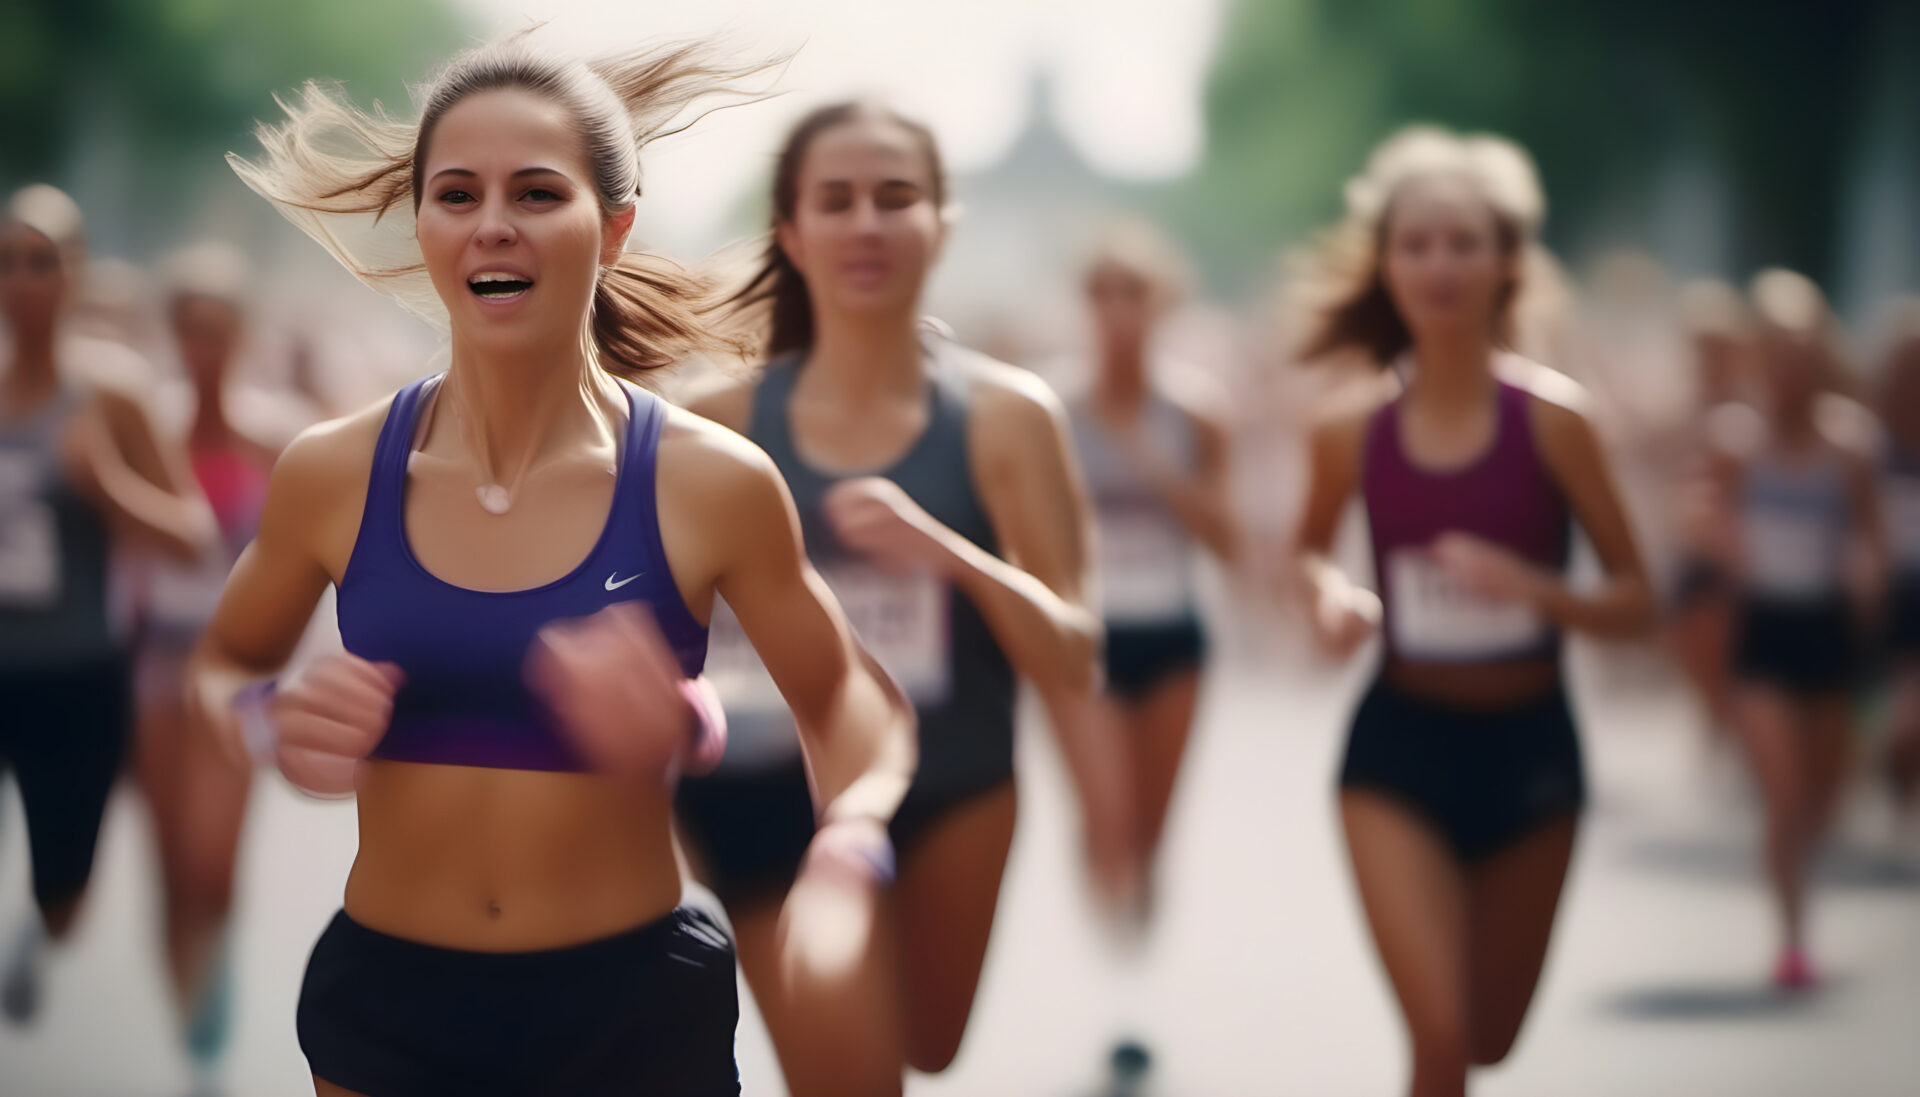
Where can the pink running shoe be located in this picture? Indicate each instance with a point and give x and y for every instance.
(1793, 972)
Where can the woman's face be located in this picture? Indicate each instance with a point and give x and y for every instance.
(1441, 259)
(33, 276)
(1123, 305)
(509, 222)
(866, 227)
(207, 332)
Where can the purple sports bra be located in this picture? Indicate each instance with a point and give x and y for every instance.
(465, 701)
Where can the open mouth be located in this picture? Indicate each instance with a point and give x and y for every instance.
(499, 285)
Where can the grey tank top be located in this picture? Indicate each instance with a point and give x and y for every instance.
(1146, 555)
(928, 635)
(54, 550)
(1794, 521)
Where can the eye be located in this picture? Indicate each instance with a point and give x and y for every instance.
(541, 194)
(455, 198)
(896, 196)
(834, 198)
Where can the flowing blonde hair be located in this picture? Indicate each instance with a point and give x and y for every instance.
(1341, 279)
(351, 180)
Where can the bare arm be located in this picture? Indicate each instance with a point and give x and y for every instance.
(855, 724)
(1201, 500)
(1623, 606)
(1036, 599)
(141, 487)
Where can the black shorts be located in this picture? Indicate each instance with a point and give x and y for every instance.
(650, 1011)
(1140, 657)
(750, 828)
(1800, 647)
(1483, 779)
(63, 732)
(1903, 616)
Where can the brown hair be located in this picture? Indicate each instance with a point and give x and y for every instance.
(777, 286)
(1352, 309)
(350, 179)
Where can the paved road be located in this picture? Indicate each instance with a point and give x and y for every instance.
(1259, 980)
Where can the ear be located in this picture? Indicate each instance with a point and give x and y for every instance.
(788, 242)
(613, 240)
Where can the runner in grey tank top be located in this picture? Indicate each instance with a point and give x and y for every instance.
(73, 462)
(919, 469)
(1157, 471)
(1804, 497)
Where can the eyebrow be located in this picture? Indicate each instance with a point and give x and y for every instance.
(469, 174)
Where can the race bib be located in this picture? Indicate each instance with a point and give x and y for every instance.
(1437, 618)
(1145, 568)
(1903, 520)
(1789, 554)
(903, 621)
(759, 727)
(183, 596)
(29, 537)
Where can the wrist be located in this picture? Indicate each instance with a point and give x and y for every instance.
(252, 707)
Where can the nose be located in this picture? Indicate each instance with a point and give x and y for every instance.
(866, 216)
(496, 227)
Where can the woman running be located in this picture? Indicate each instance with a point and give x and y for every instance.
(1802, 485)
(1156, 465)
(1462, 780)
(525, 548)
(939, 497)
(80, 470)
(196, 793)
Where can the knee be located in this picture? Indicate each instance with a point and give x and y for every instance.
(931, 1053)
(1493, 1047)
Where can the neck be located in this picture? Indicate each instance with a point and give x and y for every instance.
(1122, 380)
(33, 367)
(513, 409)
(856, 359)
(209, 412)
(1452, 370)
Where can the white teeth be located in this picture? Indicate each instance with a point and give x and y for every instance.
(496, 276)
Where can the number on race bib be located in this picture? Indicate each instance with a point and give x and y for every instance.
(1435, 617)
(1145, 567)
(1790, 553)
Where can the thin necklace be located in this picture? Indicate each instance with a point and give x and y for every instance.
(494, 498)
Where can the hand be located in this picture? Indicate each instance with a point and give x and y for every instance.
(1487, 569)
(615, 685)
(1344, 617)
(874, 517)
(330, 715)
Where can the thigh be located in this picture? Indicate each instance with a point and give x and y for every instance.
(944, 904)
(1513, 896)
(1414, 893)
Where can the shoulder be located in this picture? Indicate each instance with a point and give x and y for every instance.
(1343, 417)
(706, 462)
(998, 389)
(331, 456)
(105, 369)
(722, 398)
(1555, 400)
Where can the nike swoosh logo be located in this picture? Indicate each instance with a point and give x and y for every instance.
(611, 585)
